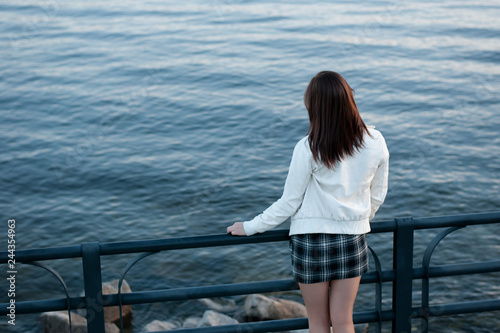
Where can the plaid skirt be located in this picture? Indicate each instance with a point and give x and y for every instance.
(325, 257)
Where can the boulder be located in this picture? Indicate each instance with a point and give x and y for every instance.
(259, 307)
(111, 328)
(157, 325)
(240, 315)
(219, 305)
(58, 322)
(112, 314)
(191, 322)
(212, 318)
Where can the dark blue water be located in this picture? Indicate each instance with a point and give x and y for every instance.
(131, 120)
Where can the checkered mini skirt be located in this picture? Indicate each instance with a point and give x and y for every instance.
(325, 257)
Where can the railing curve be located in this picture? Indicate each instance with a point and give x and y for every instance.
(426, 260)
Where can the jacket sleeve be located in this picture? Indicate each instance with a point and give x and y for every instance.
(299, 175)
(379, 184)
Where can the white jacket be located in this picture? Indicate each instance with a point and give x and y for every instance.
(321, 200)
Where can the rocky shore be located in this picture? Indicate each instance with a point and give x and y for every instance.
(256, 307)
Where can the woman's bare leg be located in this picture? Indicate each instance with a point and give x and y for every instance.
(342, 296)
(315, 297)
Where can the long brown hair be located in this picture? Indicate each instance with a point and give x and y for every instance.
(336, 128)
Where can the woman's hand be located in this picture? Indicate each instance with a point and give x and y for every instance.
(236, 229)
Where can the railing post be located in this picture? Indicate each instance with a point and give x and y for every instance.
(93, 287)
(403, 266)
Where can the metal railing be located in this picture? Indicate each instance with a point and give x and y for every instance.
(403, 273)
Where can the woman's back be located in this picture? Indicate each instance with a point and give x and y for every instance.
(339, 200)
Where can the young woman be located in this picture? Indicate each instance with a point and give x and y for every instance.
(336, 182)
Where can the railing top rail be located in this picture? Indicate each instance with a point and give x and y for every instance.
(110, 248)
(456, 220)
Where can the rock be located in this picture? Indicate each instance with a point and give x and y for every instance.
(157, 325)
(259, 307)
(112, 314)
(212, 318)
(58, 322)
(240, 315)
(219, 305)
(191, 322)
(111, 328)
